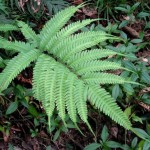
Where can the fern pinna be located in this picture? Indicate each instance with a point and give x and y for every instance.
(67, 72)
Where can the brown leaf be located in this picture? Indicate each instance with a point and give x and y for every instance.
(114, 131)
(90, 12)
(145, 106)
(77, 2)
(131, 31)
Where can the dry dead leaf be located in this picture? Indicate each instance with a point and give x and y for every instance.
(77, 2)
(114, 131)
(90, 12)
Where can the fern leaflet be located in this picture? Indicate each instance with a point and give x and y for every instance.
(103, 101)
(8, 27)
(15, 66)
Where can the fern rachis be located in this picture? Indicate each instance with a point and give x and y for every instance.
(70, 72)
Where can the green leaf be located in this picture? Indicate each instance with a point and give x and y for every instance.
(136, 118)
(135, 6)
(115, 91)
(125, 147)
(131, 56)
(145, 77)
(48, 147)
(28, 32)
(147, 25)
(146, 145)
(128, 88)
(148, 128)
(92, 146)
(15, 66)
(57, 133)
(134, 77)
(136, 41)
(141, 144)
(141, 133)
(145, 98)
(12, 107)
(134, 142)
(143, 14)
(123, 23)
(123, 35)
(7, 27)
(128, 111)
(32, 110)
(121, 9)
(129, 65)
(10, 147)
(104, 134)
(113, 144)
(2, 129)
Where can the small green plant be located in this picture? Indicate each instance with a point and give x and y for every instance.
(4, 12)
(104, 143)
(106, 7)
(67, 70)
(3, 8)
(132, 14)
(37, 8)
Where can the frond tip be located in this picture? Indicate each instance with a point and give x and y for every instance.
(29, 34)
(103, 101)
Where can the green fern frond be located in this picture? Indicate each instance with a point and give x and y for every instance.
(51, 91)
(103, 101)
(44, 85)
(84, 44)
(15, 46)
(89, 55)
(60, 94)
(39, 74)
(67, 31)
(7, 27)
(83, 4)
(28, 33)
(77, 43)
(103, 78)
(80, 100)
(96, 65)
(59, 47)
(15, 66)
(67, 72)
(69, 97)
(58, 74)
(49, 100)
(55, 24)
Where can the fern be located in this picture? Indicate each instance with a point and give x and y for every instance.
(16, 46)
(102, 100)
(67, 70)
(29, 34)
(96, 65)
(50, 29)
(89, 56)
(15, 66)
(68, 30)
(69, 98)
(82, 40)
(8, 27)
(102, 78)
